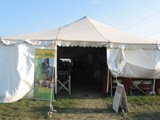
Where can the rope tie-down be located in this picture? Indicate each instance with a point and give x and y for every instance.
(51, 109)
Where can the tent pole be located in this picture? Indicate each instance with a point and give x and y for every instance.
(111, 86)
(107, 81)
(56, 68)
(56, 61)
(153, 88)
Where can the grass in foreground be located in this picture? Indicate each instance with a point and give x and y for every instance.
(140, 107)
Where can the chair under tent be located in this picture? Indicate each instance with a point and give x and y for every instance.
(64, 81)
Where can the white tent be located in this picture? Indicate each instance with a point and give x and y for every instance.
(127, 55)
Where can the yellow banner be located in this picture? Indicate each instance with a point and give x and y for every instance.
(44, 53)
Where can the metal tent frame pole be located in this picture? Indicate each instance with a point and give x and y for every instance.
(56, 68)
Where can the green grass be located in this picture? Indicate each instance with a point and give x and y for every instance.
(142, 100)
(140, 107)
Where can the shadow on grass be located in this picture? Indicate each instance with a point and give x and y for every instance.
(85, 110)
(82, 95)
(42, 112)
(147, 116)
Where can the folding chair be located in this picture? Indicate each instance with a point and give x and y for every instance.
(64, 81)
(134, 89)
(146, 86)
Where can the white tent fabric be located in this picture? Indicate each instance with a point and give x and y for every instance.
(134, 63)
(127, 55)
(16, 72)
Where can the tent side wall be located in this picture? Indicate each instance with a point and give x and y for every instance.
(17, 70)
(135, 63)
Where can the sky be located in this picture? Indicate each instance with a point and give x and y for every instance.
(140, 17)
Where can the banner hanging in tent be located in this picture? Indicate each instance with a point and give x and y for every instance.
(44, 68)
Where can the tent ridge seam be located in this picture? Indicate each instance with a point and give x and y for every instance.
(96, 28)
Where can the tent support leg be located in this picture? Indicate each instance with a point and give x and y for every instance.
(56, 68)
(107, 88)
(111, 87)
(153, 88)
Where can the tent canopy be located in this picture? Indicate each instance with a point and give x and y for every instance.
(83, 32)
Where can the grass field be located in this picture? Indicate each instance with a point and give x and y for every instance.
(82, 108)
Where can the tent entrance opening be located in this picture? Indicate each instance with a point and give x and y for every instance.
(86, 65)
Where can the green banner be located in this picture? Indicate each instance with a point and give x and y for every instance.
(44, 74)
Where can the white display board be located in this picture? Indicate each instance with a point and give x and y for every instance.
(120, 97)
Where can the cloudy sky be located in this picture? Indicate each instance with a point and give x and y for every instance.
(140, 17)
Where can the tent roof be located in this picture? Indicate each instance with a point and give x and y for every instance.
(83, 31)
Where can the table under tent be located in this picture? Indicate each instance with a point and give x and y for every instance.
(123, 55)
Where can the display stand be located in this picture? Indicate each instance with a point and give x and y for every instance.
(120, 99)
